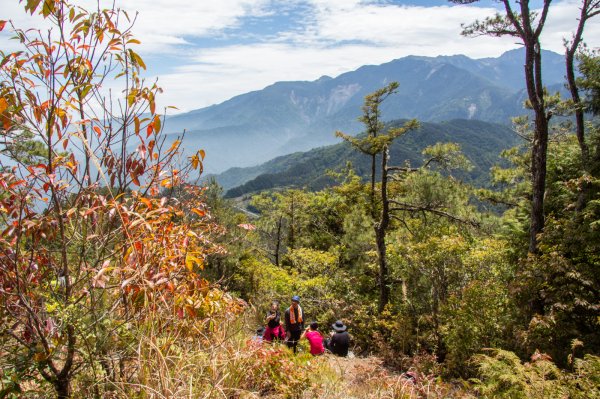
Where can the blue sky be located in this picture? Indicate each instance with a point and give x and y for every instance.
(204, 52)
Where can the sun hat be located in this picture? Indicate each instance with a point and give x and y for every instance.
(339, 326)
(296, 298)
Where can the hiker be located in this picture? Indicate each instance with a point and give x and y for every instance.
(315, 339)
(259, 335)
(339, 342)
(274, 330)
(293, 323)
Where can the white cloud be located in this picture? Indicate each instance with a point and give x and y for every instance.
(169, 22)
(562, 23)
(339, 37)
(332, 37)
(342, 35)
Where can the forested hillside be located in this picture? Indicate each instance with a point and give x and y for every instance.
(122, 277)
(481, 143)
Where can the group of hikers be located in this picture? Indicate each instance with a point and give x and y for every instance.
(337, 343)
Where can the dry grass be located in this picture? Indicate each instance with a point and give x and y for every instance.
(222, 362)
(366, 378)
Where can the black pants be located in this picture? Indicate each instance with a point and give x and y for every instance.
(292, 342)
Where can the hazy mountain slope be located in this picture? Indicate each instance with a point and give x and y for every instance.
(296, 116)
(481, 142)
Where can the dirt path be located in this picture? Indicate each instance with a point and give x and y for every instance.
(362, 378)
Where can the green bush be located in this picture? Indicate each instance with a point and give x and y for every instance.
(503, 375)
(476, 319)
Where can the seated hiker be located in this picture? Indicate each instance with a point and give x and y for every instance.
(315, 339)
(259, 335)
(274, 330)
(293, 323)
(339, 342)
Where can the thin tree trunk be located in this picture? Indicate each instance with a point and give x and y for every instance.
(538, 176)
(535, 90)
(292, 236)
(373, 172)
(579, 116)
(278, 242)
(62, 388)
(380, 230)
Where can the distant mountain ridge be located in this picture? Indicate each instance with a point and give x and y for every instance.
(286, 117)
(481, 142)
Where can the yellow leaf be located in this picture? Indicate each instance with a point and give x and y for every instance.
(191, 260)
(174, 146)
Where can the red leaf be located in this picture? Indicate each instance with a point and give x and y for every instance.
(149, 129)
(135, 180)
(2, 24)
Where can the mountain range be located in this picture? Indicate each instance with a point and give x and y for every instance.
(296, 116)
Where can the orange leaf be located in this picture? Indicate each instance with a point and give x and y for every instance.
(147, 202)
(2, 24)
(6, 124)
(198, 212)
(190, 310)
(97, 130)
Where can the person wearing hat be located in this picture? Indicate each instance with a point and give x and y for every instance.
(339, 342)
(294, 324)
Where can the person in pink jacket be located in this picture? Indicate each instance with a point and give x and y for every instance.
(315, 339)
